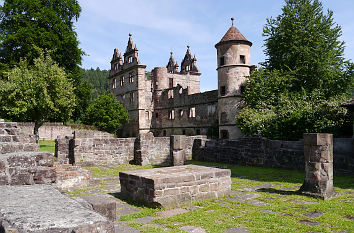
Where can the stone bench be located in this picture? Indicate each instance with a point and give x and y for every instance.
(173, 186)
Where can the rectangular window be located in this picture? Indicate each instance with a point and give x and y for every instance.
(114, 83)
(130, 59)
(170, 94)
(222, 90)
(170, 83)
(131, 97)
(192, 112)
(131, 78)
(242, 59)
(171, 114)
(222, 61)
(121, 81)
(157, 115)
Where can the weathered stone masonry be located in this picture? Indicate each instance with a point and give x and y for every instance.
(257, 151)
(175, 186)
(88, 148)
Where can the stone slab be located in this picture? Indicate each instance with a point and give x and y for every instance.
(174, 186)
(42, 208)
(103, 205)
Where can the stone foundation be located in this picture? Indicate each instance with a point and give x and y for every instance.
(174, 186)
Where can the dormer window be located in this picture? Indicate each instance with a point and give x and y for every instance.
(242, 59)
(187, 68)
(222, 61)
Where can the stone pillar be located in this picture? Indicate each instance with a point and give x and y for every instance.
(178, 145)
(318, 151)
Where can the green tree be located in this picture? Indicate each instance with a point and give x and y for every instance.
(38, 93)
(106, 113)
(304, 78)
(99, 79)
(47, 24)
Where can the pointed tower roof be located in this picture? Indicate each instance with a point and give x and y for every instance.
(233, 34)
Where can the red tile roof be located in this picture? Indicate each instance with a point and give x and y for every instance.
(233, 34)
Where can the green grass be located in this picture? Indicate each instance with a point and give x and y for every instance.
(290, 206)
(47, 146)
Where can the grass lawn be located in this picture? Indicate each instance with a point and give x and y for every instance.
(47, 146)
(277, 208)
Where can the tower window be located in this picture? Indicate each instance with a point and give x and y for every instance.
(131, 96)
(224, 134)
(222, 90)
(121, 81)
(131, 79)
(222, 61)
(171, 115)
(130, 59)
(157, 115)
(223, 118)
(242, 59)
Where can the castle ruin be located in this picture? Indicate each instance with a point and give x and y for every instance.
(169, 101)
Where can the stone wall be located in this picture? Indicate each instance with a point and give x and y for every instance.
(257, 151)
(27, 168)
(152, 150)
(89, 147)
(48, 131)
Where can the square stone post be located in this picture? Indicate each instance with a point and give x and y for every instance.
(318, 152)
(178, 145)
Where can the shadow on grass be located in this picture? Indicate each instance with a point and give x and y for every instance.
(264, 174)
(278, 191)
(131, 202)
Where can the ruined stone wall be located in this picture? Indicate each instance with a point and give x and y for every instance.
(177, 112)
(48, 131)
(94, 147)
(257, 151)
(152, 150)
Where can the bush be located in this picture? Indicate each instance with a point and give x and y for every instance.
(106, 113)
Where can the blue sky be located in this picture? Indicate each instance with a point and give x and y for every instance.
(161, 26)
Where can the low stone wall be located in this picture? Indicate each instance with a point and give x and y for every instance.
(14, 139)
(89, 147)
(152, 150)
(69, 176)
(27, 168)
(257, 151)
(175, 186)
(48, 131)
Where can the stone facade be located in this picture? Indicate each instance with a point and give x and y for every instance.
(169, 102)
(175, 186)
(257, 151)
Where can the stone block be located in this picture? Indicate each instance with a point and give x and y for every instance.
(178, 142)
(21, 178)
(174, 186)
(2, 167)
(42, 208)
(103, 205)
(179, 157)
(318, 139)
(44, 175)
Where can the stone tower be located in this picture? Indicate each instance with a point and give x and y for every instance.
(233, 58)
